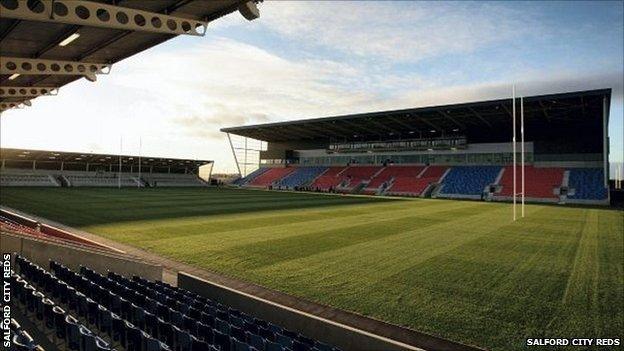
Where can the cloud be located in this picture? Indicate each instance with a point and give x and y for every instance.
(400, 31)
(177, 96)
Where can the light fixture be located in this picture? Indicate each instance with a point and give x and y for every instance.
(13, 76)
(456, 130)
(411, 132)
(432, 131)
(69, 39)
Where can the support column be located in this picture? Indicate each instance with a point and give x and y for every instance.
(234, 154)
(605, 142)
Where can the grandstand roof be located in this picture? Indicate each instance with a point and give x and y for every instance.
(31, 30)
(471, 119)
(23, 155)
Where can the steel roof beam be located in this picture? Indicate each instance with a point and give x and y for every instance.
(9, 29)
(26, 66)
(429, 123)
(403, 124)
(12, 92)
(14, 104)
(321, 132)
(362, 129)
(480, 117)
(446, 115)
(88, 13)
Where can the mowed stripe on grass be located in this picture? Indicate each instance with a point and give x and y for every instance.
(460, 270)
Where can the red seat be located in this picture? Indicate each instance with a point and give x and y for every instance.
(272, 175)
(415, 186)
(538, 182)
(392, 172)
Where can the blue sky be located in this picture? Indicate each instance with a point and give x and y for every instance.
(309, 59)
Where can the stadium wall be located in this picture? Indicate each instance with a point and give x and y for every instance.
(340, 335)
(41, 252)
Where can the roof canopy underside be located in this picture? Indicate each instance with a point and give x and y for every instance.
(41, 156)
(96, 44)
(492, 118)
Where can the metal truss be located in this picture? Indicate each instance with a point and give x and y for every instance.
(14, 104)
(26, 66)
(88, 13)
(13, 92)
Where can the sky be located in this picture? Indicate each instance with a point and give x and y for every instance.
(305, 59)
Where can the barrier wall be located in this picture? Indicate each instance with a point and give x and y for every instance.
(52, 231)
(340, 335)
(40, 252)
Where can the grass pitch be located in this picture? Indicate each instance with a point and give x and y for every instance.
(461, 270)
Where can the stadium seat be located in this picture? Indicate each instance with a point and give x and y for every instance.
(300, 176)
(272, 346)
(540, 182)
(256, 341)
(271, 176)
(180, 332)
(587, 184)
(251, 176)
(409, 185)
(469, 180)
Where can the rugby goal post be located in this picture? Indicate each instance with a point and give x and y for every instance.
(514, 147)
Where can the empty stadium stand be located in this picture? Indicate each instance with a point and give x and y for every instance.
(270, 176)
(390, 173)
(57, 178)
(94, 179)
(46, 301)
(172, 180)
(26, 179)
(468, 181)
(251, 176)
(328, 180)
(21, 339)
(137, 314)
(300, 177)
(355, 175)
(540, 183)
(415, 186)
(587, 184)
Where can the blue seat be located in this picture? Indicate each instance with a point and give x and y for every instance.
(469, 180)
(256, 341)
(153, 344)
(205, 332)
(200, 345)
(182, 340)
(133, 340)
(237, 332)
(222, 340)
(588, 184)
(87, 339)
(72, 339)
(105, 321)
(300, 177)
(223, 326)
(23, 342)
(60, 325)
(165, 332)
(272, 346)
(284, 340)
(238, 345)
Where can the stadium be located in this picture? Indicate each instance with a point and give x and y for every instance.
(488, 224)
